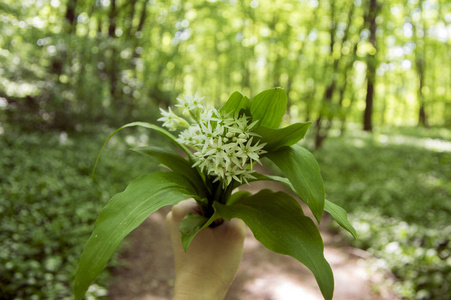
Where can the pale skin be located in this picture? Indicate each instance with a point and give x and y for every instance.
(207, 269)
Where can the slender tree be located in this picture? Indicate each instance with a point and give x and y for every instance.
(371, 63)
(420, 64)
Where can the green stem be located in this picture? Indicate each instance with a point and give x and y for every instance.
(228, 192)
(218, 192)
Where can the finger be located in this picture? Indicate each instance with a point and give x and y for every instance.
(180, 210)
(238, 227)
(235, 230)
(169, 219)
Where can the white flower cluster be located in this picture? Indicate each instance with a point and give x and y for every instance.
(224, 145)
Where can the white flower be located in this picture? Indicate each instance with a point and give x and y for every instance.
(190, 103)
(171, 121)
(223, 144)
(253, 152)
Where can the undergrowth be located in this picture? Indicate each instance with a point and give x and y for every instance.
(48, 206)
(397, 193)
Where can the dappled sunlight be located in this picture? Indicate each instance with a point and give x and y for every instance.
(280, 287)
(437, 145)
(73, 71)
(250, 243)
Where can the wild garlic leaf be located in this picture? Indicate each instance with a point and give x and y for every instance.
(302, 170)
(268, 107)
(123, 213)
(191, 225)
(341, 216)
(287, 136)
(177, 164)
(277, 221)
(166, 133)
(236, 102)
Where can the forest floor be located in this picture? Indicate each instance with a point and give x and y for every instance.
(146, 268)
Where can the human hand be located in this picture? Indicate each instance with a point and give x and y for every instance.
(209, 266)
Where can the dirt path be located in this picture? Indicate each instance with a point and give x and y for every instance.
(147, 271)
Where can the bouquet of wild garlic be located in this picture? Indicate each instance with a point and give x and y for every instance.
(221, 148)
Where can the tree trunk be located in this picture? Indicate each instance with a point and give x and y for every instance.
(420, 62)
(113, 68)
(129, 24)
(71, 16)
(327, 111)
(371, 67)
(422, 120)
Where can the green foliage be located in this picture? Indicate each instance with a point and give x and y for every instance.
(340, 215)
(278, 222)
(418, 255)
(287, 136)
(191, 225)
(48, 204)
(144, 125)
(236, 102)
(294, 234)
(302, 170)
(123, 213)
(396, 190)
(269, 107)
(176, 163)
(68, 64)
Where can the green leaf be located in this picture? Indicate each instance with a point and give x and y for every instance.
(287, 136)
(277, 221)
(283, 180)
(340, 215)
(122, 214)
(177, 164)
(302, 170)
(235, 197)
(191, 225)
(269, 107)
(237, 101)
(150, 126)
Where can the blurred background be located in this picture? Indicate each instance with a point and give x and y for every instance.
(373, 76)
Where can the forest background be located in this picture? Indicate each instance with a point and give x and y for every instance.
(373, 76)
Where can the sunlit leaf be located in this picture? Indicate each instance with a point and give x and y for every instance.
(191, 225)
(302, 170)
(236, 102)
(235, 197)
(341, 216)
(176, 163)
(277, 221)
(123, 213)
(166, 133)
(338, 213)
(287, 136)
(269, 107)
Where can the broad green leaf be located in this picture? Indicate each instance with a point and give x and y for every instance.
(237, 101)
(122, 214)
(235, 197)
(191, 225)
(277, 221)
(269, 107)
(287, 136)
(340, 215)
(177, 164)
(283, 180)
(302, 170)
(150, 126)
